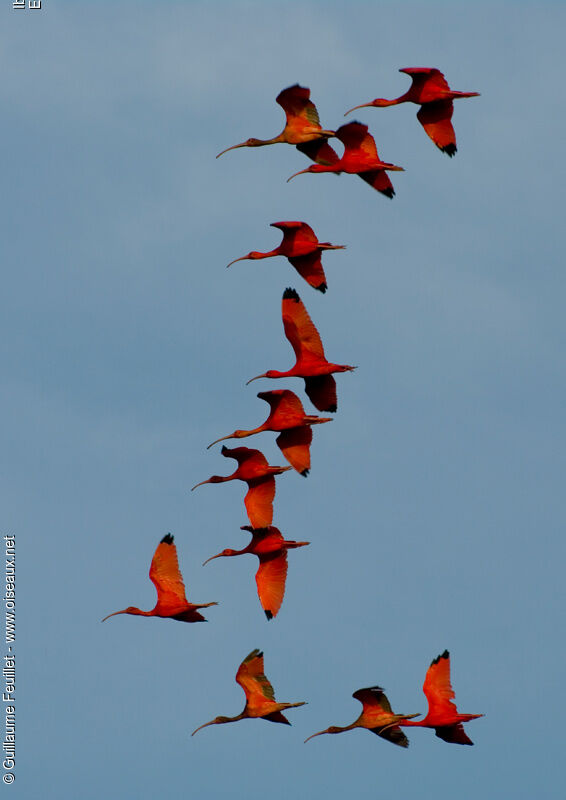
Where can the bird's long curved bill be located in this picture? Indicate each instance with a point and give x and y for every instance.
(210, 559)
(242, 258)
(313, 735)
(263, 375)
(201, 727)
(112, 615)
(230, 436)
(363, 105)
(297, 173)
(234, 146)
(200, 484)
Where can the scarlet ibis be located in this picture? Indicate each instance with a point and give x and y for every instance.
(359, 158)
(302, 125)
(288, 416)
(301, 246)
(311, 363)
(260, 697)
(442, 714)
(271, 548)
(376, 716)
(259, 475)
(431, 92)
(167, 579)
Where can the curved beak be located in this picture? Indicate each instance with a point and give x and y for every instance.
(206, 723)
(113, 615)
(230, 436)
(242, 258)
(315, 734)
(263, 375)
(363, 105)
(298, 173)
(200, 484)
(234, 146)
(210, 559)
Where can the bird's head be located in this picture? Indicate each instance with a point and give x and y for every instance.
(235, 435)
(271, 373)
(332, 729)
(215, 721)
(313, 168)
(247, 143)
(253, 254)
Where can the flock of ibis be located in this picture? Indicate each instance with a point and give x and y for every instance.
(287, 416)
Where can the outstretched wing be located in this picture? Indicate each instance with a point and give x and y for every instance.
(430, 76)
(252, 458)
(259, 501)
(310, 269)
(299, 328)
(299, 109)
(252, 679)
(354, 136)
(435, 119)
(270, 580)
(294, 443)
(378, 715)
(379, 179)
(322, 392)
(166, 575)
(455, 734)
(319, 151)
(286, 408)
(438, 689)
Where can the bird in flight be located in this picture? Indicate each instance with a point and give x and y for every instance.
(376, 717)
(260, 697)
(271, 548)
(303, 250)
(442, 714)
(288, 416)
(167, 579)
(359, 158)
(259, 475)
(311, 363)
(432, 93)
(302, 123)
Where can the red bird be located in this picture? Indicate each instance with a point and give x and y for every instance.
(256, 472)
(260, 697)
(431, 92)
(311, 363)
(302, 125)
(442, 713)
(288, 416)
(376, 716)
(360, 158)
(167, 579)
(271, 548)
(303, 250)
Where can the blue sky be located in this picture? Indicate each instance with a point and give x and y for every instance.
(434, 506)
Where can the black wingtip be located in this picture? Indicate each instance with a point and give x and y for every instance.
(450, 150)
(167, 539)
(291, 294)
(268, 614)
(305, 472)
(390, 193)
(322, 288)
(331, 409)
(445, 654)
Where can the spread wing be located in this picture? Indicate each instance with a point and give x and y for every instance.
(427, 75)
(299, 109)
(252, 458)
(435, 119)
(321, 391)
(377, 709)
(310, 268)
(252, 679)
(299, 327)
(294, 443)
(438, 689)
(166, 575)
(285, 406)
(270, 579)
(455, 734)
(379, 179)
(355, 136)
(319, 151)
(259, 501)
